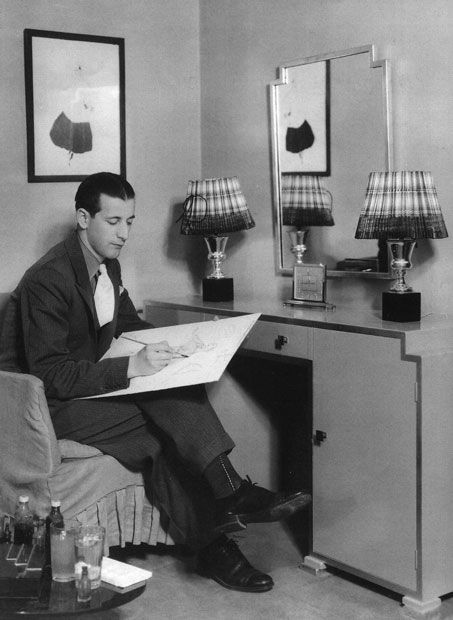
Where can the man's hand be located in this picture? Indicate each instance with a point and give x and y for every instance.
(150, 359)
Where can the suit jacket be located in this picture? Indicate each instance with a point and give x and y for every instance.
(51, 329)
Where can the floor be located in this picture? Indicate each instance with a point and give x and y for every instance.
(176, 593)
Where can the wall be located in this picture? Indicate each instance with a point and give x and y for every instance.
(162, 132)
(242, 43)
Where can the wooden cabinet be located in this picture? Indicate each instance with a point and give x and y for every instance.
(382, 457)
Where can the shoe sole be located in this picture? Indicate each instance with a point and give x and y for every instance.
(238, 522)
(255, 590)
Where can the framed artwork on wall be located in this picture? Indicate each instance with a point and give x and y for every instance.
(304, 119)
(75, 105)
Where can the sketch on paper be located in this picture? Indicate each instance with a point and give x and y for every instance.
(74, 137)
(207, 348)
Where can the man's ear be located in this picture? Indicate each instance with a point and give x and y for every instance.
(83, 218)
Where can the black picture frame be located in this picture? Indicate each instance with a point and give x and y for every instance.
(75, 105)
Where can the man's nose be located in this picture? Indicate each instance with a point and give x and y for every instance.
(123, 231)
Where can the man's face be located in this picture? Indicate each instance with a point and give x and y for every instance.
(107, 232)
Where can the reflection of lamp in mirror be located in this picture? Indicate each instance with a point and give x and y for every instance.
(401, 207)
(305, 203)
(213, 208)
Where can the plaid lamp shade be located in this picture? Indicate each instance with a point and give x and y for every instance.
(400, 205)
(215, 207)
(305, 202)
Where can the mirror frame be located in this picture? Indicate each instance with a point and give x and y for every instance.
(282, 79)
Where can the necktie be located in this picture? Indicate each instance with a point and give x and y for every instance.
(104, 298)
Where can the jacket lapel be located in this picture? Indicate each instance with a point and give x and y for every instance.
(107, 332)
(80, 271)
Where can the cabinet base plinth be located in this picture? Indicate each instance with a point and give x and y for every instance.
(313, 565)
(421, 607)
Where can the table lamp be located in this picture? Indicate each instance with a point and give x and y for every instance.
(401, 207)
(305, 203)
(213, 208)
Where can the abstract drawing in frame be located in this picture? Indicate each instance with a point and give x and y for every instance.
(75, 105)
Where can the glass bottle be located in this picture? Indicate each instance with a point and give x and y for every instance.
(39, 535)
(23, 522)
(84, 586)
(5, 535)
(55, 517)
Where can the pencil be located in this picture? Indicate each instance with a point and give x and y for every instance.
(174, 354)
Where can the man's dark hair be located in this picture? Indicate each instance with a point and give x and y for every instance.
(87, 196)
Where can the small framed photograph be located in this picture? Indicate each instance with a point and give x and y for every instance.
(75, 105)
(304, 119)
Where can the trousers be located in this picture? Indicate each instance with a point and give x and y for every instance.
(169, 435)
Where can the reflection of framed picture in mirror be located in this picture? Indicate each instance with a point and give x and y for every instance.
(74, 86)
(304, 119)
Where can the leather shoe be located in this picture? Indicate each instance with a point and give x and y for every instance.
(224, 562)
(251, 503)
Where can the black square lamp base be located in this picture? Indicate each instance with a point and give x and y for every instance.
(400, 307)
(218, 289)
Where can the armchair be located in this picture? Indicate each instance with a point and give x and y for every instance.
(94, 488)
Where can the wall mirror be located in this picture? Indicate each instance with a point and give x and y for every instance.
(331, 126)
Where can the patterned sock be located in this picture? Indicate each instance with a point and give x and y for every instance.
(222, 477)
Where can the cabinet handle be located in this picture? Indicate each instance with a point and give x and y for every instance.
(319, 437)
(280, 341)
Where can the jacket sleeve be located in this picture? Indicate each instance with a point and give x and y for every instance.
(46, 303)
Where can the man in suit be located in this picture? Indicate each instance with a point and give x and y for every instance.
(70, 305)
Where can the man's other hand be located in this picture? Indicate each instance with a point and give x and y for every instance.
(150, 359)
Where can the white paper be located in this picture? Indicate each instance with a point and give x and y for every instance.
(210, 345)
(121, 574)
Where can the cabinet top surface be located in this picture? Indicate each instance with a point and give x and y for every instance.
(355, 319)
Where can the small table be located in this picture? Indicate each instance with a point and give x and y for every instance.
(33, 593)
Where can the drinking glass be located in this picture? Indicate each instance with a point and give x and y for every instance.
(62, 553)
(89, 549)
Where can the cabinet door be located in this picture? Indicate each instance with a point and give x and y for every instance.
(364, 472)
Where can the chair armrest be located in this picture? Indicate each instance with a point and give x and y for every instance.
(28, 444)
(70, 449)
